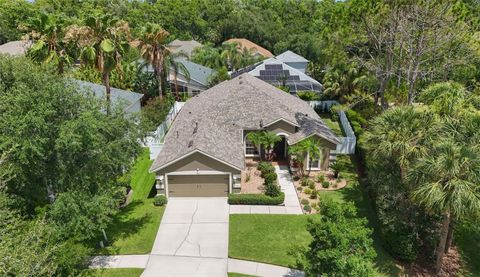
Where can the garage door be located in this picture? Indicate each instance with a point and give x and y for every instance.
(198, 185)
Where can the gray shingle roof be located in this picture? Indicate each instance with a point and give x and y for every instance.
(184, 46)
(290, 57)
(198, 72)
(223, 111)
(118, 96)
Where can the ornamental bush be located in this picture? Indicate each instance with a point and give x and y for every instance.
(255, 199)
(307, 182)
(265, 168)
(325, 184)
(160, 200)
(272, 189)
(270, 177)
(320, 178)
(304, 202)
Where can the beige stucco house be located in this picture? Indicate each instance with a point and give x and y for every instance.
(206, 147)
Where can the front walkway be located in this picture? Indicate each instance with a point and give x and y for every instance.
(291, 204)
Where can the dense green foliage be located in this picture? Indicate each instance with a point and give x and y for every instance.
(62, 157)
(423, 170)
(341, 243)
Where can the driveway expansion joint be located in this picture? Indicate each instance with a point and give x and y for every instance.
(188, 232)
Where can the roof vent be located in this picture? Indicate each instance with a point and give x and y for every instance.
(241, 82)
(240, 77)
(306, 115)
(190, 143)
(196, 128)
(177, 134)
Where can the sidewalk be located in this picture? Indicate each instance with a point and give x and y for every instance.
(261, 269)
(291, 203)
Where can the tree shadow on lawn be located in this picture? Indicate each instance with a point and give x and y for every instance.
(126, 223)
(467, 238)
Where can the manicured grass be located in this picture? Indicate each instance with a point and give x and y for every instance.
(267, 238)
(141, 180)
(271, 238)
(467, 238)
(113, 272)
(134, 229)
(234, 274)
(333, 125)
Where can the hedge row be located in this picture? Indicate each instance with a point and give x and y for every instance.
(255, 199)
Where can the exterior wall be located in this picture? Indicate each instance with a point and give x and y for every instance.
(200, 162)
(191, 84)
(324, 162)
(281, 127)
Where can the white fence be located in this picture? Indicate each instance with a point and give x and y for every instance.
(347, 143)
(155, 140)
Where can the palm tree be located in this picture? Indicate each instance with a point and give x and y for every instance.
(298, 155)
(256, 138)
(152, 44)
(308, 147)
(231, 54)
(103, 41)
(173, 63)
(401, 133)
(269, 139)
(49, 46)
(447, 182)
(208, 56)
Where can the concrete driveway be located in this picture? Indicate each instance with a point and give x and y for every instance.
(192, 239)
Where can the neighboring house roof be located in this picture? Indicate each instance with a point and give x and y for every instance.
(117, 96)
(199, 73)
(212, 122)
(291, 57)
(15, 48)
(273, 71)
(184, 46)
(245, 43)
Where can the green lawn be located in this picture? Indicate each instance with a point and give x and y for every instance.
(467, 238)
(270, 238)
(113, 272)
(142, 181)
(333, 125)
(134, 228)
(267, 238)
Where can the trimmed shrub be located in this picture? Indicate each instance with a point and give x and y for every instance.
(314, 194)
(311, 185)
(304, 202)
(325, 184)
(307, 191)
(299, 188)
(307, 208)
(320, 178)
(255, 199)
(265, 168)
(272, 189)
(270, 177)
(307, 182)
(160, 200)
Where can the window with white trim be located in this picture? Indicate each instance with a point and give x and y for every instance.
(313, 164)
(250, 148)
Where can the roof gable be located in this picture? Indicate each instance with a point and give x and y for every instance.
(291, 57)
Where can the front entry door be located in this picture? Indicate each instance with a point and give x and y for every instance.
(279, 149)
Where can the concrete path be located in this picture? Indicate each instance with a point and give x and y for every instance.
(261, 269)
(291, 204)
(192, 239)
